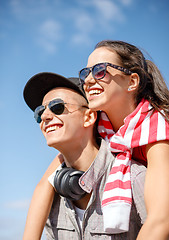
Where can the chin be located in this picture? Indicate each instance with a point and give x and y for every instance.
(100, 103)
(94, 105)
(51, 143)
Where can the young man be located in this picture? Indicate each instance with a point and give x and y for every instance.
(69, 126)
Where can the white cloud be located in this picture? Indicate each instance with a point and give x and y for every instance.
(19, 204)
(12, 222)
(20, 8)
(84, 22)
(51, 30)
(85, 18)
(26, 10)
(126, 2)
(108, 10)
(81, 38)
(49, 35)
(97, 16)
(84, 26)
(12, 227)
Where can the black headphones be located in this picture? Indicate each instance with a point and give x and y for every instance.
(66, 183)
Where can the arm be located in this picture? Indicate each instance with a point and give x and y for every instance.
(156, 226)
(41, 204)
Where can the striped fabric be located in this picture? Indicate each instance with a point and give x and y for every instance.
(140, 127)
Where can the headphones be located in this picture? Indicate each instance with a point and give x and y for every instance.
(66, 183)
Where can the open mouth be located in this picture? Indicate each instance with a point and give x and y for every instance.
(53, 128)
(95, 92)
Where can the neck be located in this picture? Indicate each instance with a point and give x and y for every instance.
(82, 203)
(81, 155)
(117, 115)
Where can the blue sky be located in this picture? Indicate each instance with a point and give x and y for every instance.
(57, 36)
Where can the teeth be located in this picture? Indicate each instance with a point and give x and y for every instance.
(52, 128)
(91, 92)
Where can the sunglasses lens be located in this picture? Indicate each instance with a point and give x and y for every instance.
(83, 74)
(99, 71)
(57, 106)
(38, 113)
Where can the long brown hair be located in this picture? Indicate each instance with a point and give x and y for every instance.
(152, 85)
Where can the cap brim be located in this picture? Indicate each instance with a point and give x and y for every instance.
(41, 83)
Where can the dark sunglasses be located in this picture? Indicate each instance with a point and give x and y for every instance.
(57, 106)
(99, 71)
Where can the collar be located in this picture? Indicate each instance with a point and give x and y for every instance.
(96, 170)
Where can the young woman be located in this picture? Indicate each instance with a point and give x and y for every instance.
(131, 91)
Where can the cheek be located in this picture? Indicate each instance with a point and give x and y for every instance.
(112, 93)
(75, 126)
(85, 87)
(107, 78)
(113, 84)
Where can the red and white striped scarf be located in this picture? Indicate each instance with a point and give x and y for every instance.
(141, 127)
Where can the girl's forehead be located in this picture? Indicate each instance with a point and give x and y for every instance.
(103, 54)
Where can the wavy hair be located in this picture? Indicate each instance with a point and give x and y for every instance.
(152, 85)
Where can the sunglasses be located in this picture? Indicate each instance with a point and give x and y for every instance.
(56, 106)
(99, 71)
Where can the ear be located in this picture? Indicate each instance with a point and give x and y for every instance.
(133, 82)
(89, 117)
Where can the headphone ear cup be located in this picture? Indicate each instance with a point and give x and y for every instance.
(59, 179)
(71, 185)
(66, 183)
(74, 182)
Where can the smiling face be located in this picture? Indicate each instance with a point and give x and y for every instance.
(110, 92)
(62, 130)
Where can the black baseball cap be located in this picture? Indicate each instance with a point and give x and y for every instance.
(40, 84)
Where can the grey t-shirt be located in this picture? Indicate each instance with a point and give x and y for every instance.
(62, 223)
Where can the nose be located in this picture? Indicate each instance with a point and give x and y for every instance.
(47, 115)
(90, 79)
